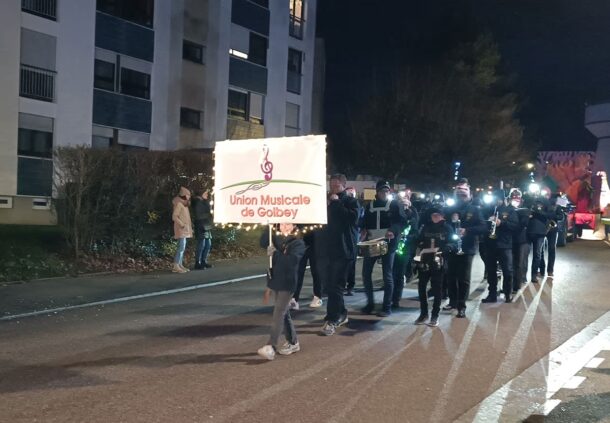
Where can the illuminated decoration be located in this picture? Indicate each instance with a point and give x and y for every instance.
(401, 249)
(456, 170)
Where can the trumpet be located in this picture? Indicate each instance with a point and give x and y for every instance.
(551, 225)
(494, 225)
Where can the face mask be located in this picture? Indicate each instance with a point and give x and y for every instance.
(515, 203)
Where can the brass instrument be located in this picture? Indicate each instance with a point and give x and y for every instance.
(494, 225)
(550, 226)
(457, 224)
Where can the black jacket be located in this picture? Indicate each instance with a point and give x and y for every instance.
(509, 222)
(441, 232)
(540, 215)
(394, 219)
(472, 221)
(288, 252)
(340, 232)
(202, 215)
(520, 234)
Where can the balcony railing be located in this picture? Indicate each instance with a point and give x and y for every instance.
(294, 82)
(43, 8)
(296, 27)
(37, 83)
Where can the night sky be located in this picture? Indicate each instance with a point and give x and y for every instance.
(556, 53)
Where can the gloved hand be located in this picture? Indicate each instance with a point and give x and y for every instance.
(270, 250)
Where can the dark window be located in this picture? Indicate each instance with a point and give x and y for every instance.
(100, 142)
(35, 143)
(190, 118)
(135, 83)
(258, 49)
(263, 3)
(34, 176)
(295, 60)
(238, 105)
(137, 11)
(192, 51)
(104, 75)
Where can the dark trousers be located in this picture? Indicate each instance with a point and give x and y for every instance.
(315, 274)
(398, 275)
(505, 257)
(387, 262)
(483, 255)
(351, 276)
(335, 283)
(520, 255)
(537, 246)
(204, 245)
(551, 238)
(458, 279)
(435, 276)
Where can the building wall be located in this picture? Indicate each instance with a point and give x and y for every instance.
(10, 33)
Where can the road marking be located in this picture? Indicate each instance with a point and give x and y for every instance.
(574, 382)
(130, 298)
(549, 406)
(594, 363)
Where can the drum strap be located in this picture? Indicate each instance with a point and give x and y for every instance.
(378, 211)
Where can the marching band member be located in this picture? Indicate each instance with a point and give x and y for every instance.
(460, 265)
(383, 218)
(556, 215)
(521, 246)
(536, 232)
(499, 248)
(401, 271)
(436, 233)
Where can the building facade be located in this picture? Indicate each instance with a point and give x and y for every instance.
(144, 74)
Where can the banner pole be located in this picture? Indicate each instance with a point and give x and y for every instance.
(270, 243)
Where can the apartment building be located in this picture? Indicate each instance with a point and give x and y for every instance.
(144, 74)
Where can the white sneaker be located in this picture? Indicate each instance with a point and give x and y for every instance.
(316, 302)
(266, 352)
(293, 304)
(184, 268)
(289, 348)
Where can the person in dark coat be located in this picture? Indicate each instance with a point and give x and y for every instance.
(405, 251)
(536, 232)
(286, 251)
(203, 228)
(340, 240)
(521, 246)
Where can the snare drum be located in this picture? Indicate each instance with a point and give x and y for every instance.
(373, 248)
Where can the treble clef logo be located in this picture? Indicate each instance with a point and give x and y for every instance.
(267, 166)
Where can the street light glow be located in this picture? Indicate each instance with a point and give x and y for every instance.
(450, 202)
(534, 188)
(488, 198)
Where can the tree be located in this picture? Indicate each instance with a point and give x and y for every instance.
(456, 109)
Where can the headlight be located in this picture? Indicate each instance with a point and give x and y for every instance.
(455, 237)
(534, 188)
(422, 196)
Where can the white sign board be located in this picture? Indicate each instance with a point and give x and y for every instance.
(271, 180)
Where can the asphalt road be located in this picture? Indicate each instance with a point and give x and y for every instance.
(191, 357)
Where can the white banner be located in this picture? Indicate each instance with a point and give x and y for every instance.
(271, 180)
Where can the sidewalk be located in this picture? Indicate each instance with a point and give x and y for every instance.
(65, 292)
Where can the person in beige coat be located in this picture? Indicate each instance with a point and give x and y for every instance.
(183, 228)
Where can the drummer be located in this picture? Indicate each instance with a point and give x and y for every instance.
(384, 219)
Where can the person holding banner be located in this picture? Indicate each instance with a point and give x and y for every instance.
(341, 242)
(286, 251)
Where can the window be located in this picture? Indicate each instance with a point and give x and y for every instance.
(238, 105)
(192, 51)
(35, 155)
(262, 3)
(296, 18)
(35, 143)
(100, 142)
(136, 11)
(246, 106)
(135, 83)
(295, 58)
(190, 118)
(258, 49)
(103, 75)
(292, 119)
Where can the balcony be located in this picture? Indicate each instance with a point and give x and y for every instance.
(43, 8)
(37, 83)
(296, 27)
(294, 82)
(597, 120)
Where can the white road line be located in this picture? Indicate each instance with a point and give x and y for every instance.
(130, 298)
(594, 363)
(550, 405)
(574, 382)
